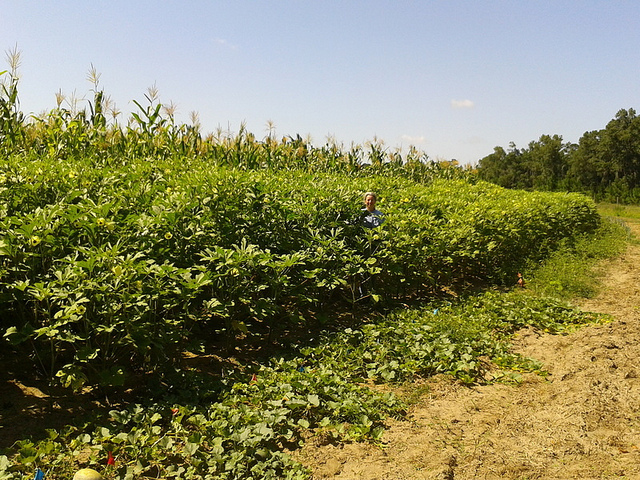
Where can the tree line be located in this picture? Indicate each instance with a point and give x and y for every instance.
(604, 164)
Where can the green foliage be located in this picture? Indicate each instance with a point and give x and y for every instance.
(567, 273)
(605, 163)
(243, 433)
(542, 166)
(621, 212)
(456, 339)
(122, 246)
(110, 266)
(11, 119)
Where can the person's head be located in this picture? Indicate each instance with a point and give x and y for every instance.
(370, 199)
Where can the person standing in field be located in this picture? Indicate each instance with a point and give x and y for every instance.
(371, 218)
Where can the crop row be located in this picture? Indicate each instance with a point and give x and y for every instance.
(105, 265)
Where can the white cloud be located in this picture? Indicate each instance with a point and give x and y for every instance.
(413, 140)
(223, 43)
(462, 104)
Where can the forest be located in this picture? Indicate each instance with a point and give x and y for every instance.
(605, 164)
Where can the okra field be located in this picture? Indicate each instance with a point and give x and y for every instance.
(126, 248)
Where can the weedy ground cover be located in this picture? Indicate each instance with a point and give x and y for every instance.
(257, 416)
(628, 212)
(565, 274)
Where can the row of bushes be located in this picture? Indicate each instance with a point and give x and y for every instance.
(105, 265)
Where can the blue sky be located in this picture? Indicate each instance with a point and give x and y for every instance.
(454, 78)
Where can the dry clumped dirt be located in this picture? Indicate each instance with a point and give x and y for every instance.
(581, 422)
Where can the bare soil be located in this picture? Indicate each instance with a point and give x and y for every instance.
(580, 422)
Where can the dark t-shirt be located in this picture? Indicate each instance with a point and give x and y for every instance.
(372, 219)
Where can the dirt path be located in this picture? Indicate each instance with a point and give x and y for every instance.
(582, 422)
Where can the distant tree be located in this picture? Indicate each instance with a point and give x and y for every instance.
(501, 167)
(621, 145)
(606, 162)
(541, 166)
(587, 170)
(548, 162)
